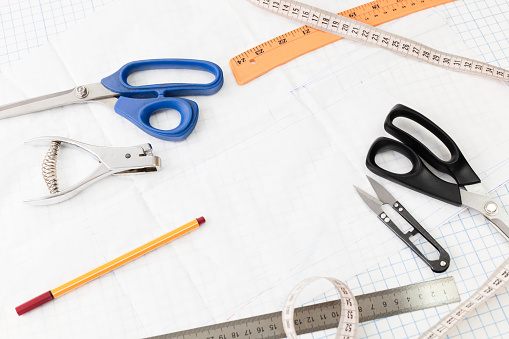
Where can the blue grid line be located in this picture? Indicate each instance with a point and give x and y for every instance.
(42, 20)
(470, 21)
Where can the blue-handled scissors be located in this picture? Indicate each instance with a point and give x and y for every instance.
(135, 103)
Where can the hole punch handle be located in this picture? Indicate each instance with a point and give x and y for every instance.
(419, 178)
(457, 166)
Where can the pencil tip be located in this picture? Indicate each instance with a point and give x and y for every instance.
(200, 220)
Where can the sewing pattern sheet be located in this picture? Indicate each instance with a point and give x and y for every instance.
(270, 165)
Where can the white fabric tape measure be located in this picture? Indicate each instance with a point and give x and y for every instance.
(348, 325)
(495, 282)
(348, 320)
(359, 31)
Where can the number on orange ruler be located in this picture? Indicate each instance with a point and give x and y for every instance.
(273, 53)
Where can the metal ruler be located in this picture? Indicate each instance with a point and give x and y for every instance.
(275, 52)
(326, 315)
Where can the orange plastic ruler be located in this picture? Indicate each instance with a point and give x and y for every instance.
(275, 52)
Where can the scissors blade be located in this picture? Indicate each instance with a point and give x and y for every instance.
(68, 97)
(477, 188)
(501, 221)
(381, 192)
(490, 209)
(374, 204)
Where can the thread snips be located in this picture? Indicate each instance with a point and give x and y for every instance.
(112, 161)
(384, 197)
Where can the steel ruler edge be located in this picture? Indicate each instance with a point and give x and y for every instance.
(265, 57)
(326, 315)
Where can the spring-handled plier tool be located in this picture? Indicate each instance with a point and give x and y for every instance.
(112, 161)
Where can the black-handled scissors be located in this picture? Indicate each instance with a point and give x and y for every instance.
(468, 189)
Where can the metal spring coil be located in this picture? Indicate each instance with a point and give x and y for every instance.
(49, 167)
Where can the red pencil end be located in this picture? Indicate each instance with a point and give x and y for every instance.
(34, 303)
(200, 220)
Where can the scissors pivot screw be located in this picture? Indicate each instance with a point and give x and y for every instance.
(491, 208)
(81, 92)
(443, 263)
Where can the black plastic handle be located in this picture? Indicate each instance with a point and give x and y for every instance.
(419, 178)
(457, 166)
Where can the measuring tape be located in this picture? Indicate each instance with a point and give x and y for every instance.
(273, 53)
(362, 32)
(495, 282)
(327, 315)
(348, 320)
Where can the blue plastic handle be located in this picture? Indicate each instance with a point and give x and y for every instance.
(138, 103)
(117, 82)
(138, 111)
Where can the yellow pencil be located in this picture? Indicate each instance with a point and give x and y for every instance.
(109, 266)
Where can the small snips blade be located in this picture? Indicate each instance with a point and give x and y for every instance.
(374, 204)
(382, 193)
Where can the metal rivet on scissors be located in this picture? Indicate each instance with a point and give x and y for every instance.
(135, 103)
(467, 190)
(112, 161)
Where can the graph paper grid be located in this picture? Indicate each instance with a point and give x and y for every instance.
(476, 248)
(28, 24)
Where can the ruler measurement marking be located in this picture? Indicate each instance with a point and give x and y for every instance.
(308, 318)
(497, 280)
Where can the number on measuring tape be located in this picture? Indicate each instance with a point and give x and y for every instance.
(362, 32)
(495, 282)
(348, 320)
(251, 64)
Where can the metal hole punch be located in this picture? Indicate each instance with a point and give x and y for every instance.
(112, 161)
